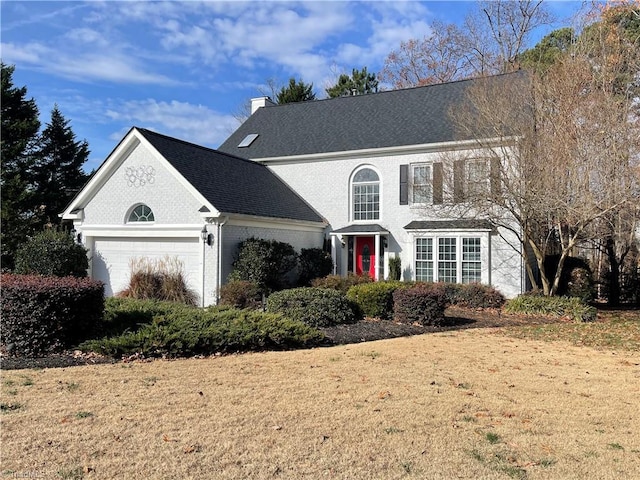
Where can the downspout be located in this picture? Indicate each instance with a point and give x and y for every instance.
(219, 255)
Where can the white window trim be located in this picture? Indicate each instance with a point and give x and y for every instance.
(412, 184)
(351, 194)
(139, 222)
(485, 261)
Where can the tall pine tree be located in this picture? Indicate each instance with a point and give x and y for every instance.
(359, 83)
(296, 92)
(58, 174)
(18, 138)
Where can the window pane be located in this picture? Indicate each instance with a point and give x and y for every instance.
(471, 263)
(447, 260)
(477, 177)
(424, 259)
(365, 175)
(141, 213)
(421, 184)
(366, 202)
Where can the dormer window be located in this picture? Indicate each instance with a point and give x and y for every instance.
(141, 213)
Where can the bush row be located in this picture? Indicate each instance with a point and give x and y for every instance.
(156, 329)
(377, 299)
(572, 307)
(42, 315)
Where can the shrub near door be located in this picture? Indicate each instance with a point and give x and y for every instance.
(421, 303)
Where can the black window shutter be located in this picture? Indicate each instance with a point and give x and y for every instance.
(437, 183)
(404, 184)
(495, 176)
(458, 181)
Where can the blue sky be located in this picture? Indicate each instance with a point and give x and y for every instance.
(185, 69)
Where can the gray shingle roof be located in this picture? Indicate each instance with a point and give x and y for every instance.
(232, 184)
(450, 225)
(412, 116)
(352, 229)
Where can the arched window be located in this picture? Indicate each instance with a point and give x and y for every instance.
(365, 194)
(141, 213)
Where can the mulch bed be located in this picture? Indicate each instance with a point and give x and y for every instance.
(366, 330)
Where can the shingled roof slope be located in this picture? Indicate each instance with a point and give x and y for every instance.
(412, 116)
(232, 184)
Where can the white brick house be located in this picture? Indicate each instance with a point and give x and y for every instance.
(382, 169)
(373, 174)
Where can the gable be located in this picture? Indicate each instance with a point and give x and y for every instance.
(141, 176)
(185, 181)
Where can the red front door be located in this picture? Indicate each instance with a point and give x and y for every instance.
(365, 256)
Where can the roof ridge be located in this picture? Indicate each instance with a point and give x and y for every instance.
(394, 90)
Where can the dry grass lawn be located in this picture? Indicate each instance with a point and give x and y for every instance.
(469, 404)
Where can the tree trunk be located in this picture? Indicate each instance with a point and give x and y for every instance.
(613, 298)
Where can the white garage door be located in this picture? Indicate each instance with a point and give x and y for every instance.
(112, 256)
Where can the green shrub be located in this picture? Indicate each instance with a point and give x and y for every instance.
(317, 307)
(241, 294)
(159, 279)
(375, 299)
(267, 263)
(421, 303)
(473, 295)
(192, 331)
(129, 314)
(340, 283)
(41, 315)
(313, 263)
(395, 268)
(52, 253)
(571, 307)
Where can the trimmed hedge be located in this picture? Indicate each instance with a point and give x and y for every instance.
(186, 331)
(375, 299)
(52, 253)
(340, 283)
(572, 307)
(422, 303)
(42, 315)
(473, 295)
(317, 307)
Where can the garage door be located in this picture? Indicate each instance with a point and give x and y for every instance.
(112, 256)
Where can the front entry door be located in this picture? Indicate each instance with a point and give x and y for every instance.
(365, 256)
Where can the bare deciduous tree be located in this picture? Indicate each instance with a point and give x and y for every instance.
(570, 150)
(492, 37)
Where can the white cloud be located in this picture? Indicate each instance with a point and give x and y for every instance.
(84, 66)
(194, 123)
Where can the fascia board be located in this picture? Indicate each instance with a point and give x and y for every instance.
(391, 151)
(113, 161)
(266, 222)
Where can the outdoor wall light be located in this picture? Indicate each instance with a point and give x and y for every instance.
(206, 236)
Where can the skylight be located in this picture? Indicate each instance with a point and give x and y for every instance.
(248, 140)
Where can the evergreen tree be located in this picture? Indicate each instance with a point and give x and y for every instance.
(19, 134)
(296, 91)
(58, 174)
(360, 82)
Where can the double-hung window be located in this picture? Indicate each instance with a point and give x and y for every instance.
(421, 187)
(477, 177)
